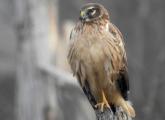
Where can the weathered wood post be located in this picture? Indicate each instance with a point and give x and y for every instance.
(109, 115)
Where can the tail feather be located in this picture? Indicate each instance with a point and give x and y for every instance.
(127, 107)
(130, 109)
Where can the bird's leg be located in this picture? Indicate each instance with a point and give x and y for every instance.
(103, 103)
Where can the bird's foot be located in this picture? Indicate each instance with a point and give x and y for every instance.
(103, 104)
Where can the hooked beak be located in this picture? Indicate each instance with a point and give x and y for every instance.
(82, 16)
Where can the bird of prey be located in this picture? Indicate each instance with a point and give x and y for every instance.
(98, 59)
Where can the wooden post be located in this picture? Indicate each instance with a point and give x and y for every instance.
(109, 115)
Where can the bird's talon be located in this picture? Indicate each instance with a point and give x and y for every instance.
(102, 105)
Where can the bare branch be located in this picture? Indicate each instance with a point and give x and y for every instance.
(110, 115)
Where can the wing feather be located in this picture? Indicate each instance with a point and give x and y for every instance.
(118, 61)
(78, 69)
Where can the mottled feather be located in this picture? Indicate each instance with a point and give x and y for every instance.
(98, 59)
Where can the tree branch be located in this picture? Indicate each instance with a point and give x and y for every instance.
(108, 114)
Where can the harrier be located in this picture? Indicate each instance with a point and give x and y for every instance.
(98, 59)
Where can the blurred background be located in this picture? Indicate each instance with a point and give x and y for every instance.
(35, 79)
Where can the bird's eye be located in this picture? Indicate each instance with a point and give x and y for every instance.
(92, 12)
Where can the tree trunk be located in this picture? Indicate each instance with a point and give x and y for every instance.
(36, 93)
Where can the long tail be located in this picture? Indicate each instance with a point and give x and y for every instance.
(127, 107)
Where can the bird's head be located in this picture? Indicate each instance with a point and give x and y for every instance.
(93, 11)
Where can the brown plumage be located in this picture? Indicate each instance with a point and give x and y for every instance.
(98, 59)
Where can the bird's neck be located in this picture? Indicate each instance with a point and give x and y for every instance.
(93, 27)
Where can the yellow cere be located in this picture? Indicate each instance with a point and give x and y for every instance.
(82, 13)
